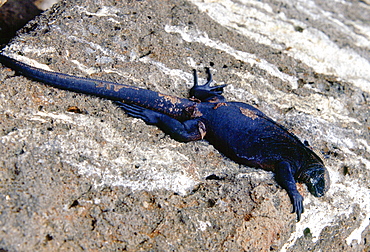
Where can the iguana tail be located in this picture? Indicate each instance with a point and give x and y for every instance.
(175, 107)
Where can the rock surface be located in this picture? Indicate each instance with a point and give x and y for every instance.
(77, 174)
(14, 14)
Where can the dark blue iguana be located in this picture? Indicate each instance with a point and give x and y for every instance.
(238, 130)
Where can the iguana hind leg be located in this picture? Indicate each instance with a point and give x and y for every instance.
(189, 130)
(206, 92)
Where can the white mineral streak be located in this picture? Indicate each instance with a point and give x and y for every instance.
(29, 61)
(202, 37)
(257, 21)
(165, 171)
(45, 4)
(2, 2)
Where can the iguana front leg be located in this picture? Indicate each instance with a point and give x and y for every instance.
(189, 130)
(284, 176)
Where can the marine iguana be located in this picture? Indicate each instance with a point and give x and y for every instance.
(238, 130)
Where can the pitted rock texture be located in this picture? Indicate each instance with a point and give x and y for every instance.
(78, 174)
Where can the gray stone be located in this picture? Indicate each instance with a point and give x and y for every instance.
(77, 174)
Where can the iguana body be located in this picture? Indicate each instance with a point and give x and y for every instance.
(238, 130)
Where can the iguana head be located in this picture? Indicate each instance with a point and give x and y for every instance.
(316, 177)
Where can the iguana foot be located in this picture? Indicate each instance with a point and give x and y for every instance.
(206, 92)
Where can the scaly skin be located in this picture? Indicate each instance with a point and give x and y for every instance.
(238, 130)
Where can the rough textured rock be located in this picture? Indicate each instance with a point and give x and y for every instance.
(76, 173)
(14, 14)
